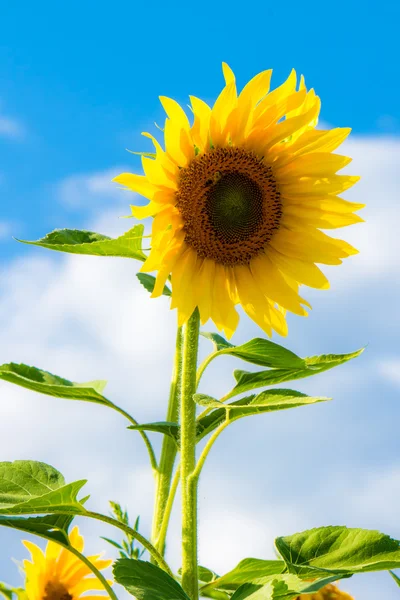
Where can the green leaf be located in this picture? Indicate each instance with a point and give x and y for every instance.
(268, 401)
(280, 587)
(145, 581)
(164, 427)
(6, 591)
(51, 527)
(207, 401)
(249, 570)
(338, 550)
(46, 383)
(128, 245)
(312, 366)
(149, 281)
(397, 579)
(206, 575)
(219, 342)
(259, 352)
(29, 487)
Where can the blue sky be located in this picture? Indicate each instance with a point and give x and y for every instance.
(78, 85)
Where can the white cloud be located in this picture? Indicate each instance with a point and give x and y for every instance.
(86, 318)
(5, 230)
(390, 368)
(91, 191)
(10, 127)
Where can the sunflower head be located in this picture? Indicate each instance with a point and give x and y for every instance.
(57, 574)
(239, 197)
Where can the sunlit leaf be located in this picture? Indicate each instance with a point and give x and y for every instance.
(165, 427)
(128, 245)
(249, 570)
(312, 366)
(338, 549)
(281, 587)
(46, 383)
(268, 401)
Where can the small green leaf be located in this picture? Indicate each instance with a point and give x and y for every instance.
(149, 281)
(128, 245)
(46, 383)
(219, 342)
(112, 542)
(268, 401)
(51, 527)
(145, 581)
(249, 570)
(164, 427)
(6, 591)
(313, 365)
(338, 550)
(145, 154)
(206, 575)
(29, 487)
(207, 401)
(397, 579)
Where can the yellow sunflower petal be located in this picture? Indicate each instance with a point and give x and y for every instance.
(136, 183)
(156, 174)
(332, 184)
(223, 312)
(200, 129)
(304, 272)
(317, 164)
(224, 105)
(254, 304)
(295, 215)
(38, 557)
(229, 75)
(328, 203)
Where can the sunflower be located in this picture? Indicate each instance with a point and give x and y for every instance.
(58, 574)
(238, 199)
(329, 592)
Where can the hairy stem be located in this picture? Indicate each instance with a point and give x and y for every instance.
(168, 451)
(167, 512)
(188, 458)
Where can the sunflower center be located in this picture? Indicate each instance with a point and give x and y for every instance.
(56, 591)
(230, 205)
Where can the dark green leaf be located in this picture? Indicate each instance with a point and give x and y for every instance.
(146, 581)
(128, 245)
(6, 591)
(29, 487)
(316, 364)
(46, 383)
(249, 570)
(338, 550)
(164, 427)
(51, 527)
(148, 282)
(268, 401)
(397, 579)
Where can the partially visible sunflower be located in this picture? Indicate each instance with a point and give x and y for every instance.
(58, 574)
(238, 200)
(329, 592)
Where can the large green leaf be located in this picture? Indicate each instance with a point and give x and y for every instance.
(268, 401)
(29, 487)
(149, 281)
(249, 570)
(51, 527)
(259, 352)
(46, 383)
(313, 365)
(339, 550)
(128, 245)
(145, 581)
(280, 587)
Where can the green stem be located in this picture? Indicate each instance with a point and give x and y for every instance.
(204, 366)
(167, 512)
(146, 440)
(168, 450)
(200, 463)
(135, 534)
(188, 458)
